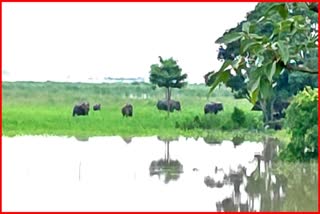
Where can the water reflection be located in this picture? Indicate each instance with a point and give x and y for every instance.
(127, 139)
(266, 187)
(237, 140)
(170, 169)
(152, 174)
(256, 186)
(211, 140)
(81, 138)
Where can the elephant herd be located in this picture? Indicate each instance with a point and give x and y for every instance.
(164, 105)
(83, 109)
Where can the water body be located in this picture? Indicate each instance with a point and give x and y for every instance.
(152, 174)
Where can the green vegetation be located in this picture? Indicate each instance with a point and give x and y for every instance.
(268, 59)
(274, 54)
(302, 120)
(31, 108)
(275, 40)
(238, 117)
(167, 75)
(275, 36)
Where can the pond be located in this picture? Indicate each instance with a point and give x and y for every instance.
(152, 174)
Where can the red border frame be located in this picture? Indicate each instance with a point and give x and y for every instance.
(186, 1)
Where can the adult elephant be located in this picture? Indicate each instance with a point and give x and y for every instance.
(173, 105)
(278, 106)
(127, 110)
(81, 109)
(213, 107)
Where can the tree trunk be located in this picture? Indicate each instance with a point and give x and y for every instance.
(263, 104)
(267, 107)
(168, 100)
(259, 166)
(272, 109)
(168, 153)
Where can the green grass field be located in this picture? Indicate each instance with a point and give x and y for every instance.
(31, 108)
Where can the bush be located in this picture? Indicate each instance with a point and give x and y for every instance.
(225, 122)
(210, 121)
(302, 120)
(238, 116)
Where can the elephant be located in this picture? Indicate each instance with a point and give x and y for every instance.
(97, 107)
(279, 106)
(127, 110)
(81, 109)
(173, 105)
(213, 107)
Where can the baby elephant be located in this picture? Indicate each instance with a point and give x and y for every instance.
(213, 107)
(127, 110)
(97, 107)
(81, 109)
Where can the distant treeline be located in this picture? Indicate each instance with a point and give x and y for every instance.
(80, 91)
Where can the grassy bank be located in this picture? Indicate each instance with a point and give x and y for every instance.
(30, 108)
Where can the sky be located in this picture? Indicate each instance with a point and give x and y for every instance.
(77, 41)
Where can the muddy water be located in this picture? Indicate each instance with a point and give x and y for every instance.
(152, 174)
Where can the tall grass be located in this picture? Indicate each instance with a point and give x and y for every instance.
(46, 108)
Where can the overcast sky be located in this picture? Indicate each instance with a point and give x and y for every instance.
(75, 41)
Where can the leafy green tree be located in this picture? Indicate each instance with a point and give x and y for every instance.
(275, 37)
(168, 75)
(270, 49)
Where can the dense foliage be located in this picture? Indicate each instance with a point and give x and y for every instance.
(302, 121)
(238, 116)
(276, 39)
(270, 57)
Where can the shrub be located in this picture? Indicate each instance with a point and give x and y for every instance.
(302, 120)
(202, 122)
(238, 116)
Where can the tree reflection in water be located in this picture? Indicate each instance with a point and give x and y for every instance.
(170, 169)
(271, 189)
(127, 139)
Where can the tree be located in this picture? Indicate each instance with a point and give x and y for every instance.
(276, 37)
(167, 75)
(286, 86)
(284, 38)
